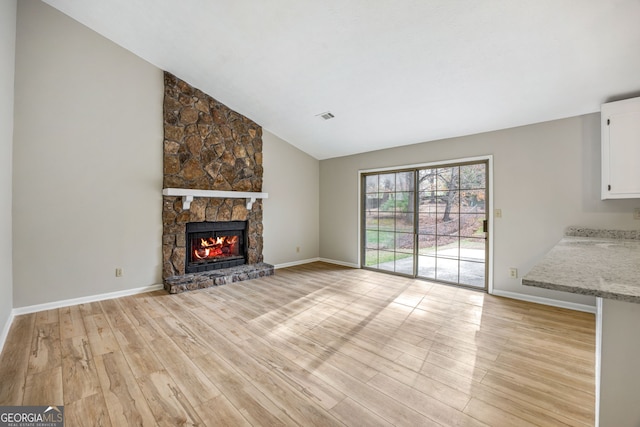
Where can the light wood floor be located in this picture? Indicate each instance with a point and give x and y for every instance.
(314, 345)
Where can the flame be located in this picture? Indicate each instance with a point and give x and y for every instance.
(207, 243)
(201, 253)
(215, 247)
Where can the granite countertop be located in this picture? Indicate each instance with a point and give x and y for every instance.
(603, 263)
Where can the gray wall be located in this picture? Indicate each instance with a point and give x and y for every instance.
(7, 64)
(546, 177)
(291, 213)
(87, 162)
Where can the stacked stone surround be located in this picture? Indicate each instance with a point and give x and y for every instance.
(207, 146)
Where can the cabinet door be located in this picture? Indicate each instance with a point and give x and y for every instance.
(621, 149)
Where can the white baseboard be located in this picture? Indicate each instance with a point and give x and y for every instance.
(344, 264)
(507, 294)
(294, 263)
(5, 330)
(151, 288)
(66, 303)
(84, 300)
(545, 301)
(307, 261)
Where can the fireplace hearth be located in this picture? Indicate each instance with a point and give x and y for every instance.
(223, 276)
(215, 245)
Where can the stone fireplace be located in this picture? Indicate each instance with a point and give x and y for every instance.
(208, 146)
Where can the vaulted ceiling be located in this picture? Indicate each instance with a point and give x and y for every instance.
(391, 72)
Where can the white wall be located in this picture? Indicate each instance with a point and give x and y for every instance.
(87, 162)
(546, 177)
(291, 213)
(7, 66)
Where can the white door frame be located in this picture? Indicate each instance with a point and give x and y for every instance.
(488, 158)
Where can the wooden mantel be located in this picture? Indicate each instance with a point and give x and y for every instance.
(188, 194)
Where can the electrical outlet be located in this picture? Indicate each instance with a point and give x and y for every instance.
(498, 213)
(118, 272)
(513, 273)
(636, 213)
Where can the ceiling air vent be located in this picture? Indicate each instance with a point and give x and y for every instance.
(326, 116)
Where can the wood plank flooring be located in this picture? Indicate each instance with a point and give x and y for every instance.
(313, 345)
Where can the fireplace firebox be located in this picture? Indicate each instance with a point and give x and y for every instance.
(214, 245)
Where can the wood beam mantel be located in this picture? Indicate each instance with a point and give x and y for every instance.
(188, 194)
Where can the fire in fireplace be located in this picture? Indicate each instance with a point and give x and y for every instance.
(214, 245)
(210, 248)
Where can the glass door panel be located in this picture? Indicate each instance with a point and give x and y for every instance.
(389, 237)
(451, 213)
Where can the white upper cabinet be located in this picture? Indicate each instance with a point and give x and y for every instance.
(621, 149)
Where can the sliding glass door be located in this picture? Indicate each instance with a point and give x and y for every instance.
(428, 222)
